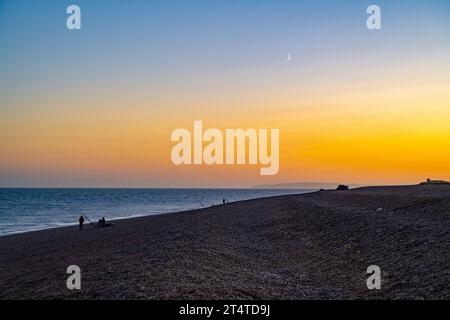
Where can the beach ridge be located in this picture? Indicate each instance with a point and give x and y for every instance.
(310, 246)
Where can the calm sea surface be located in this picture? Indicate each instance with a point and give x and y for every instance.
(24, 210)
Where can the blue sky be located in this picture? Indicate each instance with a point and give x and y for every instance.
(149, 40)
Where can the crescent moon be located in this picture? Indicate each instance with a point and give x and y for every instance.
(289, 58)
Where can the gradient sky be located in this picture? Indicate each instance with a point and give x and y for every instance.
(96, 107)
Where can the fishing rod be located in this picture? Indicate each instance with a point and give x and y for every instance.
(89, 220)
(200, 203)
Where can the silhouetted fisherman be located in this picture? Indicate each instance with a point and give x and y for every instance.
(81, 221)
(223, 201)
(102, 222)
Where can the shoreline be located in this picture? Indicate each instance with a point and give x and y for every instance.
(87, 224)
(315, 245)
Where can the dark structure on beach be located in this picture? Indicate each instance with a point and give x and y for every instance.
(429, 181)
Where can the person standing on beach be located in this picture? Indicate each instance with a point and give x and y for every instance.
(81, 221)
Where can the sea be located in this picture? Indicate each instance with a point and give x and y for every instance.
(28, 209)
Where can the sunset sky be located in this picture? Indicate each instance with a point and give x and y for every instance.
(96, 107)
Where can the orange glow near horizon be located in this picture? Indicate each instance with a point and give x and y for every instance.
(392, 136)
